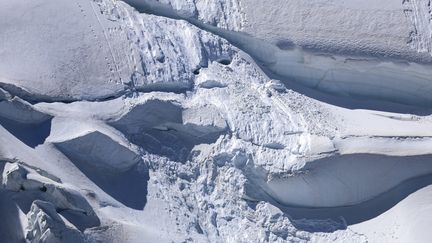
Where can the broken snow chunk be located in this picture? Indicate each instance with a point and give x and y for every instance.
(13, 176)
(23, 180)
(276, 85)
(45, 225)
(69, 199)
(16, 177)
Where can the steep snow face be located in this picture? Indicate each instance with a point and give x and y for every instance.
(347, 180)
(188, 139)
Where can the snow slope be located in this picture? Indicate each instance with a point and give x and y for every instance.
(215, 121)
(106, 53)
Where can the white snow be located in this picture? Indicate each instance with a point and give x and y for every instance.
(215, 121)
(420, 15)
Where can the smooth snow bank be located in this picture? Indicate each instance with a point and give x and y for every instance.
(367, 28)
(391, 146)
(405, 222)
(346, 180)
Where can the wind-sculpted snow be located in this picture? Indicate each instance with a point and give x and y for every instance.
(159, 122)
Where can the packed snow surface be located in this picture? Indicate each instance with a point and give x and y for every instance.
(215, 121)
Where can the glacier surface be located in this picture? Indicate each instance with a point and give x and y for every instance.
(215, 121)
